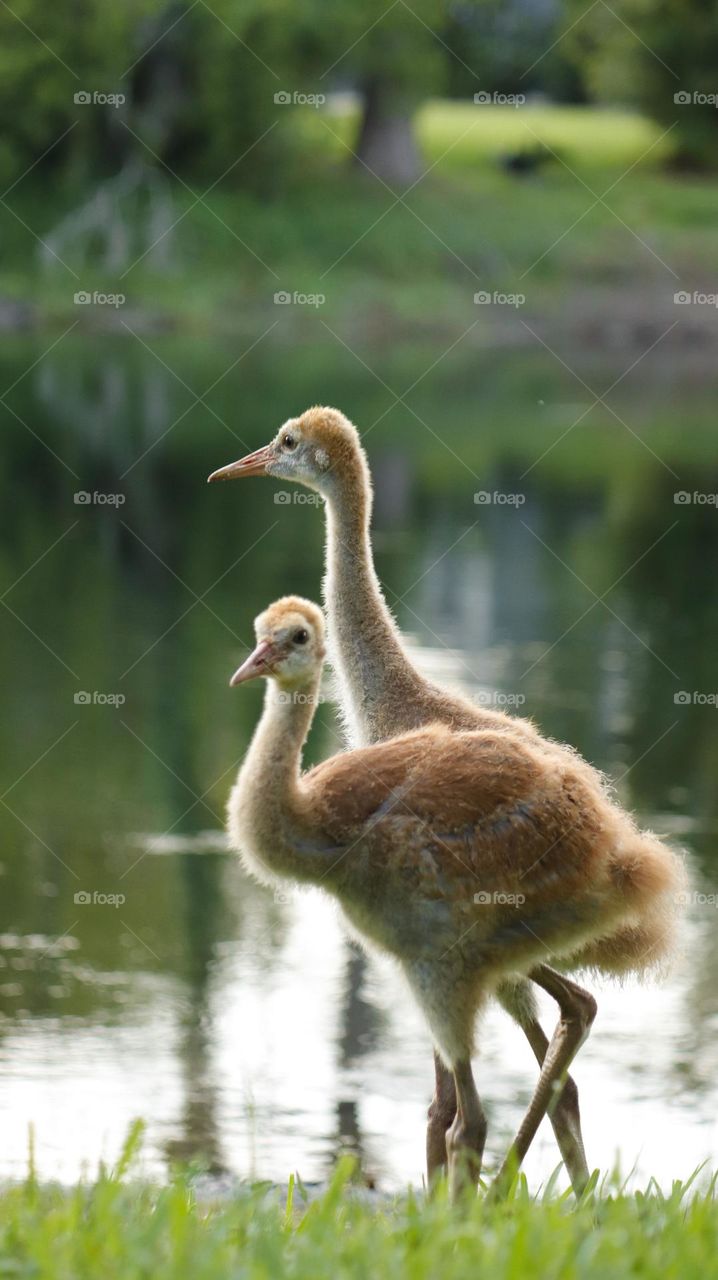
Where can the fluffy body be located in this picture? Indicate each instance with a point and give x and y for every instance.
(382, 694)
(468, 856)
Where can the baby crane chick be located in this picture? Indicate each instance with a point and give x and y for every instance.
(468, 856)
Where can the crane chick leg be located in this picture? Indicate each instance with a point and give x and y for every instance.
(578, 1010)
(466, 1137)
(441, 1114)
(565, 1116)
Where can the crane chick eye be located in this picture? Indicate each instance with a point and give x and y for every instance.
(289, 441)
(301, 636)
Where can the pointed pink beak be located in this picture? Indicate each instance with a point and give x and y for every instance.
(259, 663)
(255, 464)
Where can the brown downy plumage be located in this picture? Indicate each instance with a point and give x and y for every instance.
(382, 694)
(468, 856)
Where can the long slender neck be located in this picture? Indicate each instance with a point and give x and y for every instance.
(366, 649)
(268, 821)
(276, 747)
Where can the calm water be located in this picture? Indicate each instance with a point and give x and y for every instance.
(243, 1026)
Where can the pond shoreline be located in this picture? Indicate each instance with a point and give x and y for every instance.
(612, 320)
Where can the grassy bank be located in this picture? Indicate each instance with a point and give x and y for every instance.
(600, 213)
(128, 1230)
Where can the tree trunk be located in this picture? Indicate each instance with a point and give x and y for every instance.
(387, 145)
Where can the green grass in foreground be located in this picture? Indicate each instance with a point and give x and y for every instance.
(120, 1229)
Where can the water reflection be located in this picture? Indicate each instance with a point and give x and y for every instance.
(249, 1031)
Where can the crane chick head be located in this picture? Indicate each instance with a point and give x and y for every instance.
(315, 449)
(290, 644)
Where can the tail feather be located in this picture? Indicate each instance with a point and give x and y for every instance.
(632, 949)
(645, 870)
(651, 879)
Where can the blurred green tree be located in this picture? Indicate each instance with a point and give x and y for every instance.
(513, 46)
(251, 50)
(48, 55)
(395, 56)
(659, 56)
(196, 84)
(200, 80)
